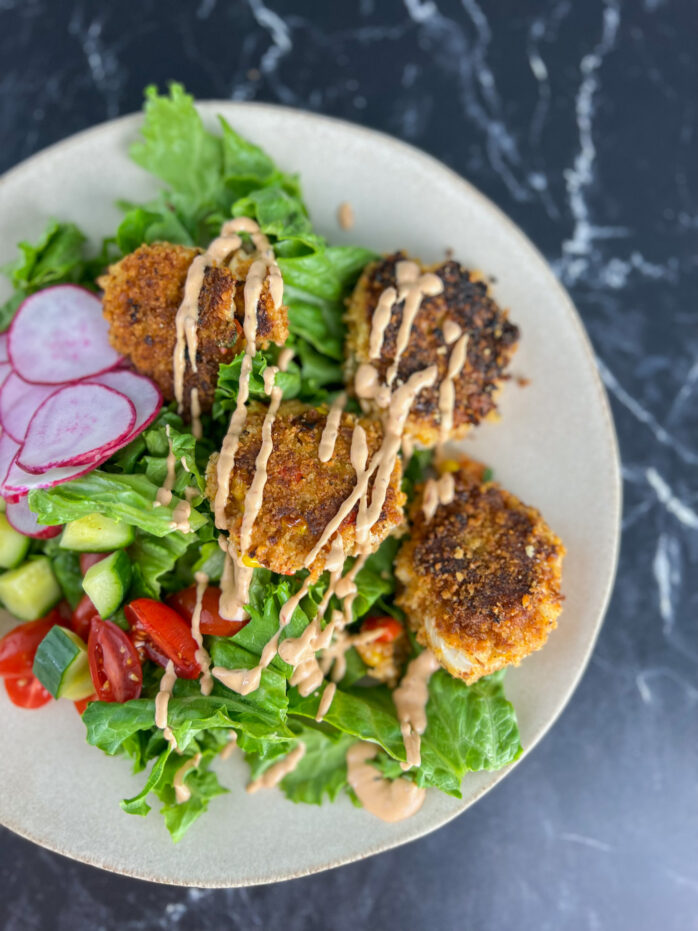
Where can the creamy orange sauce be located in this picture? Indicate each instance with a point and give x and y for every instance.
(163, 496)
(436, 492)
(202, 657)
(412, 289)
(181, 790)
(411, 697)
(345, 215)
(229, 748)
(331, 428)
(447, 390)
(195, 408)
(277, 771)
(326, 701)
(389, 801)
(162, 700)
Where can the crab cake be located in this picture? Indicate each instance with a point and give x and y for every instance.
(142, 294)
(302, 494)
(481, 578)
(464, 306)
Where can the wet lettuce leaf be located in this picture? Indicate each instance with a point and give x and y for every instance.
(57, 257)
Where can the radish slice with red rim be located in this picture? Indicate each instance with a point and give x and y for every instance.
(19, 482)
(5, 372)
(19, 401)
(22, 518)
(143, 392)
(8, 452)
(76, 425)
(59, 335)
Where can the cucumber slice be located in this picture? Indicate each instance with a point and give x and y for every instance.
(96, 533)
(31, 590)
(61, 665)
(13, 545)
(107, 582)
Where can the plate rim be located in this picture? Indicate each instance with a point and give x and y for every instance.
(431, 164)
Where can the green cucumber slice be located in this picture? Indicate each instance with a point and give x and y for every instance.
(13, 545)
(107, 582)
(31, 590)
(96, 533)
(61, 665)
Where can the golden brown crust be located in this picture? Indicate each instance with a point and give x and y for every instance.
(142, 293)
(481, 578)
(302, 494)
(464, 300)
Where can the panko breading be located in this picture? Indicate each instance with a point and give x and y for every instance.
(482, 578)
(302, 494)
(142, 294)
(465, 301)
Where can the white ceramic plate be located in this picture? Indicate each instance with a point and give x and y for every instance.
(555, 447)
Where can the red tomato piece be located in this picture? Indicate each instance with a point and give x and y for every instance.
(114, 663)
(210, 621)
(26, 691)
(82, 618)
(87, 560)
(164, 636)
(17, 648)
(392, 628)
(83, 703)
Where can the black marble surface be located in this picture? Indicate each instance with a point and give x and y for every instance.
(578, 118)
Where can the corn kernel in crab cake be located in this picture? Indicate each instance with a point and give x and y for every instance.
(142, 294)
(464, 306)
(481, 578)
(302, 494)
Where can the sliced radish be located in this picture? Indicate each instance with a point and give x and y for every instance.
(19, 401)
(76, 425)
(5, 372)
(3, 348)
(59, 335)
(19, 482)
(144, 393)
(25, 521)
(8, 451)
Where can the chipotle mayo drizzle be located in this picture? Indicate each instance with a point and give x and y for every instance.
(164, 494)
(228, 749)
(162, 700)
(412, 288)
(389, 801)
(182, 791)
(331, 428)
(451, 331)
(277, 771)
(187, 318)
(195, 408)
(326, 701)
(447, 390)
(345, 215)
(202, 657)
(436, 492)
(411, 697)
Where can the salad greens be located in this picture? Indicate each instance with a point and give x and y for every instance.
(207, 176)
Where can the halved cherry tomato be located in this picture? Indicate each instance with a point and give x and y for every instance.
(114, 663)
(210, 622)
(391, 628)
(26, 691)
(83, 616)
(87, 560)
(164, 636)
(83, 703)
(17, 648)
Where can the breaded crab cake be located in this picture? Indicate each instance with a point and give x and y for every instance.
(481, 578)
(142, 294)
(301, 494)
(464, 306)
